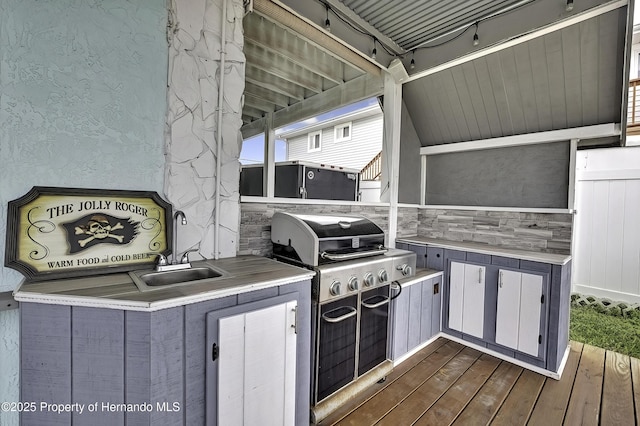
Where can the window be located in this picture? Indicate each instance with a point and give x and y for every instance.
(314, 142)
(343, 132)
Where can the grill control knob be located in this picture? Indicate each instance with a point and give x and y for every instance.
(369, 279)
(334, 288)
(405, 269)
(353, 284)
(382, 274)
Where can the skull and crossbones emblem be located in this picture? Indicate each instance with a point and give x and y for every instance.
(98, 227)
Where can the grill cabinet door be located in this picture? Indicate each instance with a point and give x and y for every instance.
(374, 325)
(336, 360)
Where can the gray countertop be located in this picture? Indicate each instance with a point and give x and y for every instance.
(118, 291)
(554, 259)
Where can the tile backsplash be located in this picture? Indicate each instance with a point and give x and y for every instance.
(543, 232)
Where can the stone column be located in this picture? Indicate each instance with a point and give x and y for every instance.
(195, 45)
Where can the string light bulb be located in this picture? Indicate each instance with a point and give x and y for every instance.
(374, 51)
(476, 39)
(327, 22)
(412, 65)
(569, 6)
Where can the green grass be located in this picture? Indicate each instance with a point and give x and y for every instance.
(604, 330)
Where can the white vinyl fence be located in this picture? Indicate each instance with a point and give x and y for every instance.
(606, 244)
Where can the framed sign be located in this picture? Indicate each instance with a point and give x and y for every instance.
(57, 233)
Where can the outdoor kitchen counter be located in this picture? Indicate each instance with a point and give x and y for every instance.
(534, 256)
(118, 291)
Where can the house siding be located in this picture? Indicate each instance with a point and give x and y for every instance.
(365, 143)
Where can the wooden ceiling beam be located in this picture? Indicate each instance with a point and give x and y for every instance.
(273, 83)
(276, 64)
(320, 39)
(263, 93)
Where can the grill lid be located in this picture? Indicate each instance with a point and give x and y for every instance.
(325, 226)
(316, 239)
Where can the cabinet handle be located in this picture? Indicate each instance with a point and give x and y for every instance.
(479, 275)
(215, 352)
(501, 273)
(295, 320)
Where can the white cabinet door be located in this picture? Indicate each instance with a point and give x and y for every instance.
(256, 379)
(519, 310)
(508, 310)
(466, 298)
(530, 311)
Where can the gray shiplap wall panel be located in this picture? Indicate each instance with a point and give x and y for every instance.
(137, 366)
(97, 348)
(464, 96)
(426, 316)
(512, 89)
(496, 79)
(434, 119)
(540, 80)
(589, 58)
(415, 315)
(555, 66)
(572, 74)
(167, 364)
(45, 363)
(455, 101)
(525, 85)
(400, 313)
(444, 105)
(568, 78)
(609, 95)
(488, 97)
(196, 356)
(479, 110)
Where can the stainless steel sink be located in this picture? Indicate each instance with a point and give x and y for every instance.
(150, 280)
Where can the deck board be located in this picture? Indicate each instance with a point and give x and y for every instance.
(518, 406)
(447, 408)
(430, 391)
(551, 406)
(383, 402)
(635, 380)
(446, 383)
(485, 404)
(617, 393)
(584, 405)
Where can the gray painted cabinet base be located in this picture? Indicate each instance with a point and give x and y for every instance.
(554, 323)
(154, 361)
(415, 314)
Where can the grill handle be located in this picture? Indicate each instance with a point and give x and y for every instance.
(348, 256)
(375, 305)
(341, 318)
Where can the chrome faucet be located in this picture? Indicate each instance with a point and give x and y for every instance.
(162, 263)
(174, 250)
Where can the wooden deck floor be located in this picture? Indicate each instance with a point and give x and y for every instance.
(447, 383)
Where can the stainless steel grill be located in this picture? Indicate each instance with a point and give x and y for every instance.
(351, 292)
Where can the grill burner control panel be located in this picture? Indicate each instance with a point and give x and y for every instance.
(350, 277)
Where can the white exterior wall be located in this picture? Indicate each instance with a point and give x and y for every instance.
(606, 247)
(365, 143)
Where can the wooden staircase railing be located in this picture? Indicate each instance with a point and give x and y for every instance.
(373, 169)
(633, 111)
